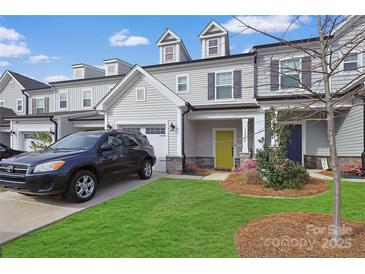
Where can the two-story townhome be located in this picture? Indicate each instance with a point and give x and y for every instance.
(65, 107)
(13, 101)
(211, 111)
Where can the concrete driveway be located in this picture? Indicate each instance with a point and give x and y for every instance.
(21, 214)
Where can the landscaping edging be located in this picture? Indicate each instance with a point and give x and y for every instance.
(298, 235)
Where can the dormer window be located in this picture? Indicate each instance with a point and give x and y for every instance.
(169, 54)
(112, 69)
(213, 46)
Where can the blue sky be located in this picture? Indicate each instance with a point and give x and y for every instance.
(44, 47)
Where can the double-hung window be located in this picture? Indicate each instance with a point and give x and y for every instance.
(169, 53)
(350, 62)
(182, 83)
(40, 106)
(19, 105)
(2, 103)
(63, 100)
(290, 73)
(224, 85)
(213, 46)
(87, 98)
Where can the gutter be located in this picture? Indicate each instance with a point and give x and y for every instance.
(55, 129)
(190, 107)
(26, 102)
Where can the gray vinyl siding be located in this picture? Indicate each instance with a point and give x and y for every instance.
(350, 132)
(5, 138)
(156, 107)
(75, 94)
(342, 78)
(198, 79)
(11, 95)
(316, 138)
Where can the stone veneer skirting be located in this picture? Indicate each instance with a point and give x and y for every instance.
(314, 162)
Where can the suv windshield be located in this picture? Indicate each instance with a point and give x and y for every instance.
(78, 141)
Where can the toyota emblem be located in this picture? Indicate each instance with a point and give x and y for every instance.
(10, 169)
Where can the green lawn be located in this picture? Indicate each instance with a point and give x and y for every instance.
(169, 218)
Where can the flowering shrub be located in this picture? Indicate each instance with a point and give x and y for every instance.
(354, 170)
(192, 167)
(245, 166)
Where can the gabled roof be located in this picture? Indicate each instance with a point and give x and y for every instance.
(133, 74)
(167, 37)
(24, 81)
(213, 28)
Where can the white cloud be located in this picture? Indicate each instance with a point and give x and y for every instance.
(13, 49)
(55, 78)
(122, 38)
(9, 34)
(35, 59)
(4, 64)
(103, 66)
(273, 23)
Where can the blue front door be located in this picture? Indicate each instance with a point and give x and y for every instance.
(295, 145)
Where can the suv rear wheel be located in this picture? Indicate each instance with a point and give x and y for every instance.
(82, 186)
(145, 171)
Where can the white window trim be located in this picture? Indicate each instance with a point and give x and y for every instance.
(22, 104)
(218, 47)
(215, 86)
(3, 101)
(360, 66)
(173, 53)
(115, 70)
(144, 94)
(83, 97)
(44, 103)
(187, 83)
(11, 84)
(300, 74)
(59, 99)
(82, 76)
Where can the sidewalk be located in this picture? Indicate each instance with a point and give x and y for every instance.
(316, 174)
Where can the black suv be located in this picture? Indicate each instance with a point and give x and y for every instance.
(75, 164)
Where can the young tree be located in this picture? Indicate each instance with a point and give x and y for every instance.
(329, 49)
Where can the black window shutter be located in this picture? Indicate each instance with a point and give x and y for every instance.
(274, 77)
(34, 110)
(46, 105)
(306, 71)
(211, 86)
(237, 81)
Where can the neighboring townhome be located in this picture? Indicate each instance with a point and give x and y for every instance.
(65, 107)
(12, 87)
(213, 111)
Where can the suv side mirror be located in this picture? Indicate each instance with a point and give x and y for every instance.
(106, 147)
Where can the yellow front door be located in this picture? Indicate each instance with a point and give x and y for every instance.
(224, 150)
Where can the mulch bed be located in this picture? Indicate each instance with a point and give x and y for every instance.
(313, 187)
(299, 235)
(328, 173)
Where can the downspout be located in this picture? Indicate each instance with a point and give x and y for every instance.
(190, 107)
(55, 128)
(26, 102)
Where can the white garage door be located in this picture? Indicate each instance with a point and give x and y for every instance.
(157, 137)
(28, 137)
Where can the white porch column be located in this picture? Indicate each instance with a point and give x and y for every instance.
(244, 135)
(259, 125)
(273, 136)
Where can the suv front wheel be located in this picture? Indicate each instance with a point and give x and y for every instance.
(145, 171)
(82, 186)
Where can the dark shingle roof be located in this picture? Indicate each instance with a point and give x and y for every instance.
(5, 112)
(27, 82)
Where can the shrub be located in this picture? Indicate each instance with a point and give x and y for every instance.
(192, 167)
(277, 171)
(251, 177)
